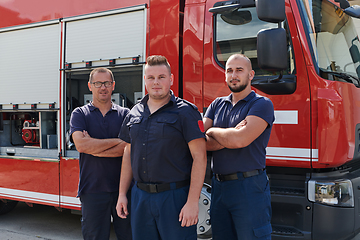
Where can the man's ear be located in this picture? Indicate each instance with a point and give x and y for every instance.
(251, 74)
(89, 86)
(171, 79)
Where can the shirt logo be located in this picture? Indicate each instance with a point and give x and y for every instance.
(201, 126)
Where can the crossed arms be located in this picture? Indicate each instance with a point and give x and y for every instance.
(239, 136)
(109, 147)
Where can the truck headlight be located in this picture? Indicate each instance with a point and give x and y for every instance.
(335, 193)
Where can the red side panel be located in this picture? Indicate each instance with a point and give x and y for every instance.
(193, 53)
(34, 181)
(164, 36)
(69, 183)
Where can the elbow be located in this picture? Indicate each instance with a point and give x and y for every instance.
(239, 144)
(80, 148)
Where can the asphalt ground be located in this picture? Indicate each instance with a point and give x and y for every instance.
(40, 222)
(44, 223)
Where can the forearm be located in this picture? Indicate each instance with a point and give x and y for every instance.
(197, 181)
(197, 173)
(227, 137)
(126, 175)
(212, 144)
(93, 146)
(116, 151)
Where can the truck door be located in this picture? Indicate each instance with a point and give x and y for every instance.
(29, 108)
(236, 31)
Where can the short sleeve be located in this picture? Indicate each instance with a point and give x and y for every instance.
(210, 111)
(192, 125)
(77, 122)
(264, 109)
(124, 132)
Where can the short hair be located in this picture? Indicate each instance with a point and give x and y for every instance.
(156, 60)
(101, 70)
(238, 56)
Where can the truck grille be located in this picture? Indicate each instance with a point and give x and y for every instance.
(287, 191)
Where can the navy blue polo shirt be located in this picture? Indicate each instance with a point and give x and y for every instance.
(98, 174)
(225, 115)
(159, 141)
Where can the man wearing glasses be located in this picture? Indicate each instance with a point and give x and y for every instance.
(94, 128)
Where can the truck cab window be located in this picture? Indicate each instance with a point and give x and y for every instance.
(333, 41)
(236, 32)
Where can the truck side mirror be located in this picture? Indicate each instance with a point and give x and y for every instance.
(271, 11)
(272, 49)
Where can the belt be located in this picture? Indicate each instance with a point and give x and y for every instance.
(161, 187)
(239, 175)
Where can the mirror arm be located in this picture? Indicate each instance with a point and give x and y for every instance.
(275, 80)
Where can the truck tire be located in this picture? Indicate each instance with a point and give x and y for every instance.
(7, 206)
(204, 224)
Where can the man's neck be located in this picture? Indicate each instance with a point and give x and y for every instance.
(156, 104)
(104, 107)
(237, 96)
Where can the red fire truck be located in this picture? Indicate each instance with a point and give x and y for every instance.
(305, 55)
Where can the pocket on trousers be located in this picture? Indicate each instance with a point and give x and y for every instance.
(263, 231)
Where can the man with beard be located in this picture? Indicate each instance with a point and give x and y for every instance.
(238, 128)
(94, 130)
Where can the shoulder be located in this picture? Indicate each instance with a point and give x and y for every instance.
(263, 101)
(184, 103)
(218, 101)
(121, 110)
(81, 110)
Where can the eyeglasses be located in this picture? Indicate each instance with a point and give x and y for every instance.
(106, 84)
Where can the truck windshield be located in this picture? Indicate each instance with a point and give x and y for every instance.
(333, 41)
(236, 32)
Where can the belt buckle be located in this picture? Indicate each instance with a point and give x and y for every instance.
(153, 188)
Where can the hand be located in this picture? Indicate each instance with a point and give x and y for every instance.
(209, 132)
(189, 214)
(86, 134)
(121, 206)
(241, 124)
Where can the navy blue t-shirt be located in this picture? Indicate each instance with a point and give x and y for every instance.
(98, 174)
(159, 141)
(225, 115)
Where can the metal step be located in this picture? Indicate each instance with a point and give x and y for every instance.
(288, 231)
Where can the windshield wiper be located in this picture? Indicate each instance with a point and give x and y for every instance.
(347, 77)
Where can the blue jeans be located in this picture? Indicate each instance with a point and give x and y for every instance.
(241, 209)
(155, 216)
(97, 209)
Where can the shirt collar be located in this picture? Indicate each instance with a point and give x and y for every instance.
(246, 99)
(92, 107)
(146, 98)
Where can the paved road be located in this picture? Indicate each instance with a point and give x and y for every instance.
(40, 222)
(44, 223)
